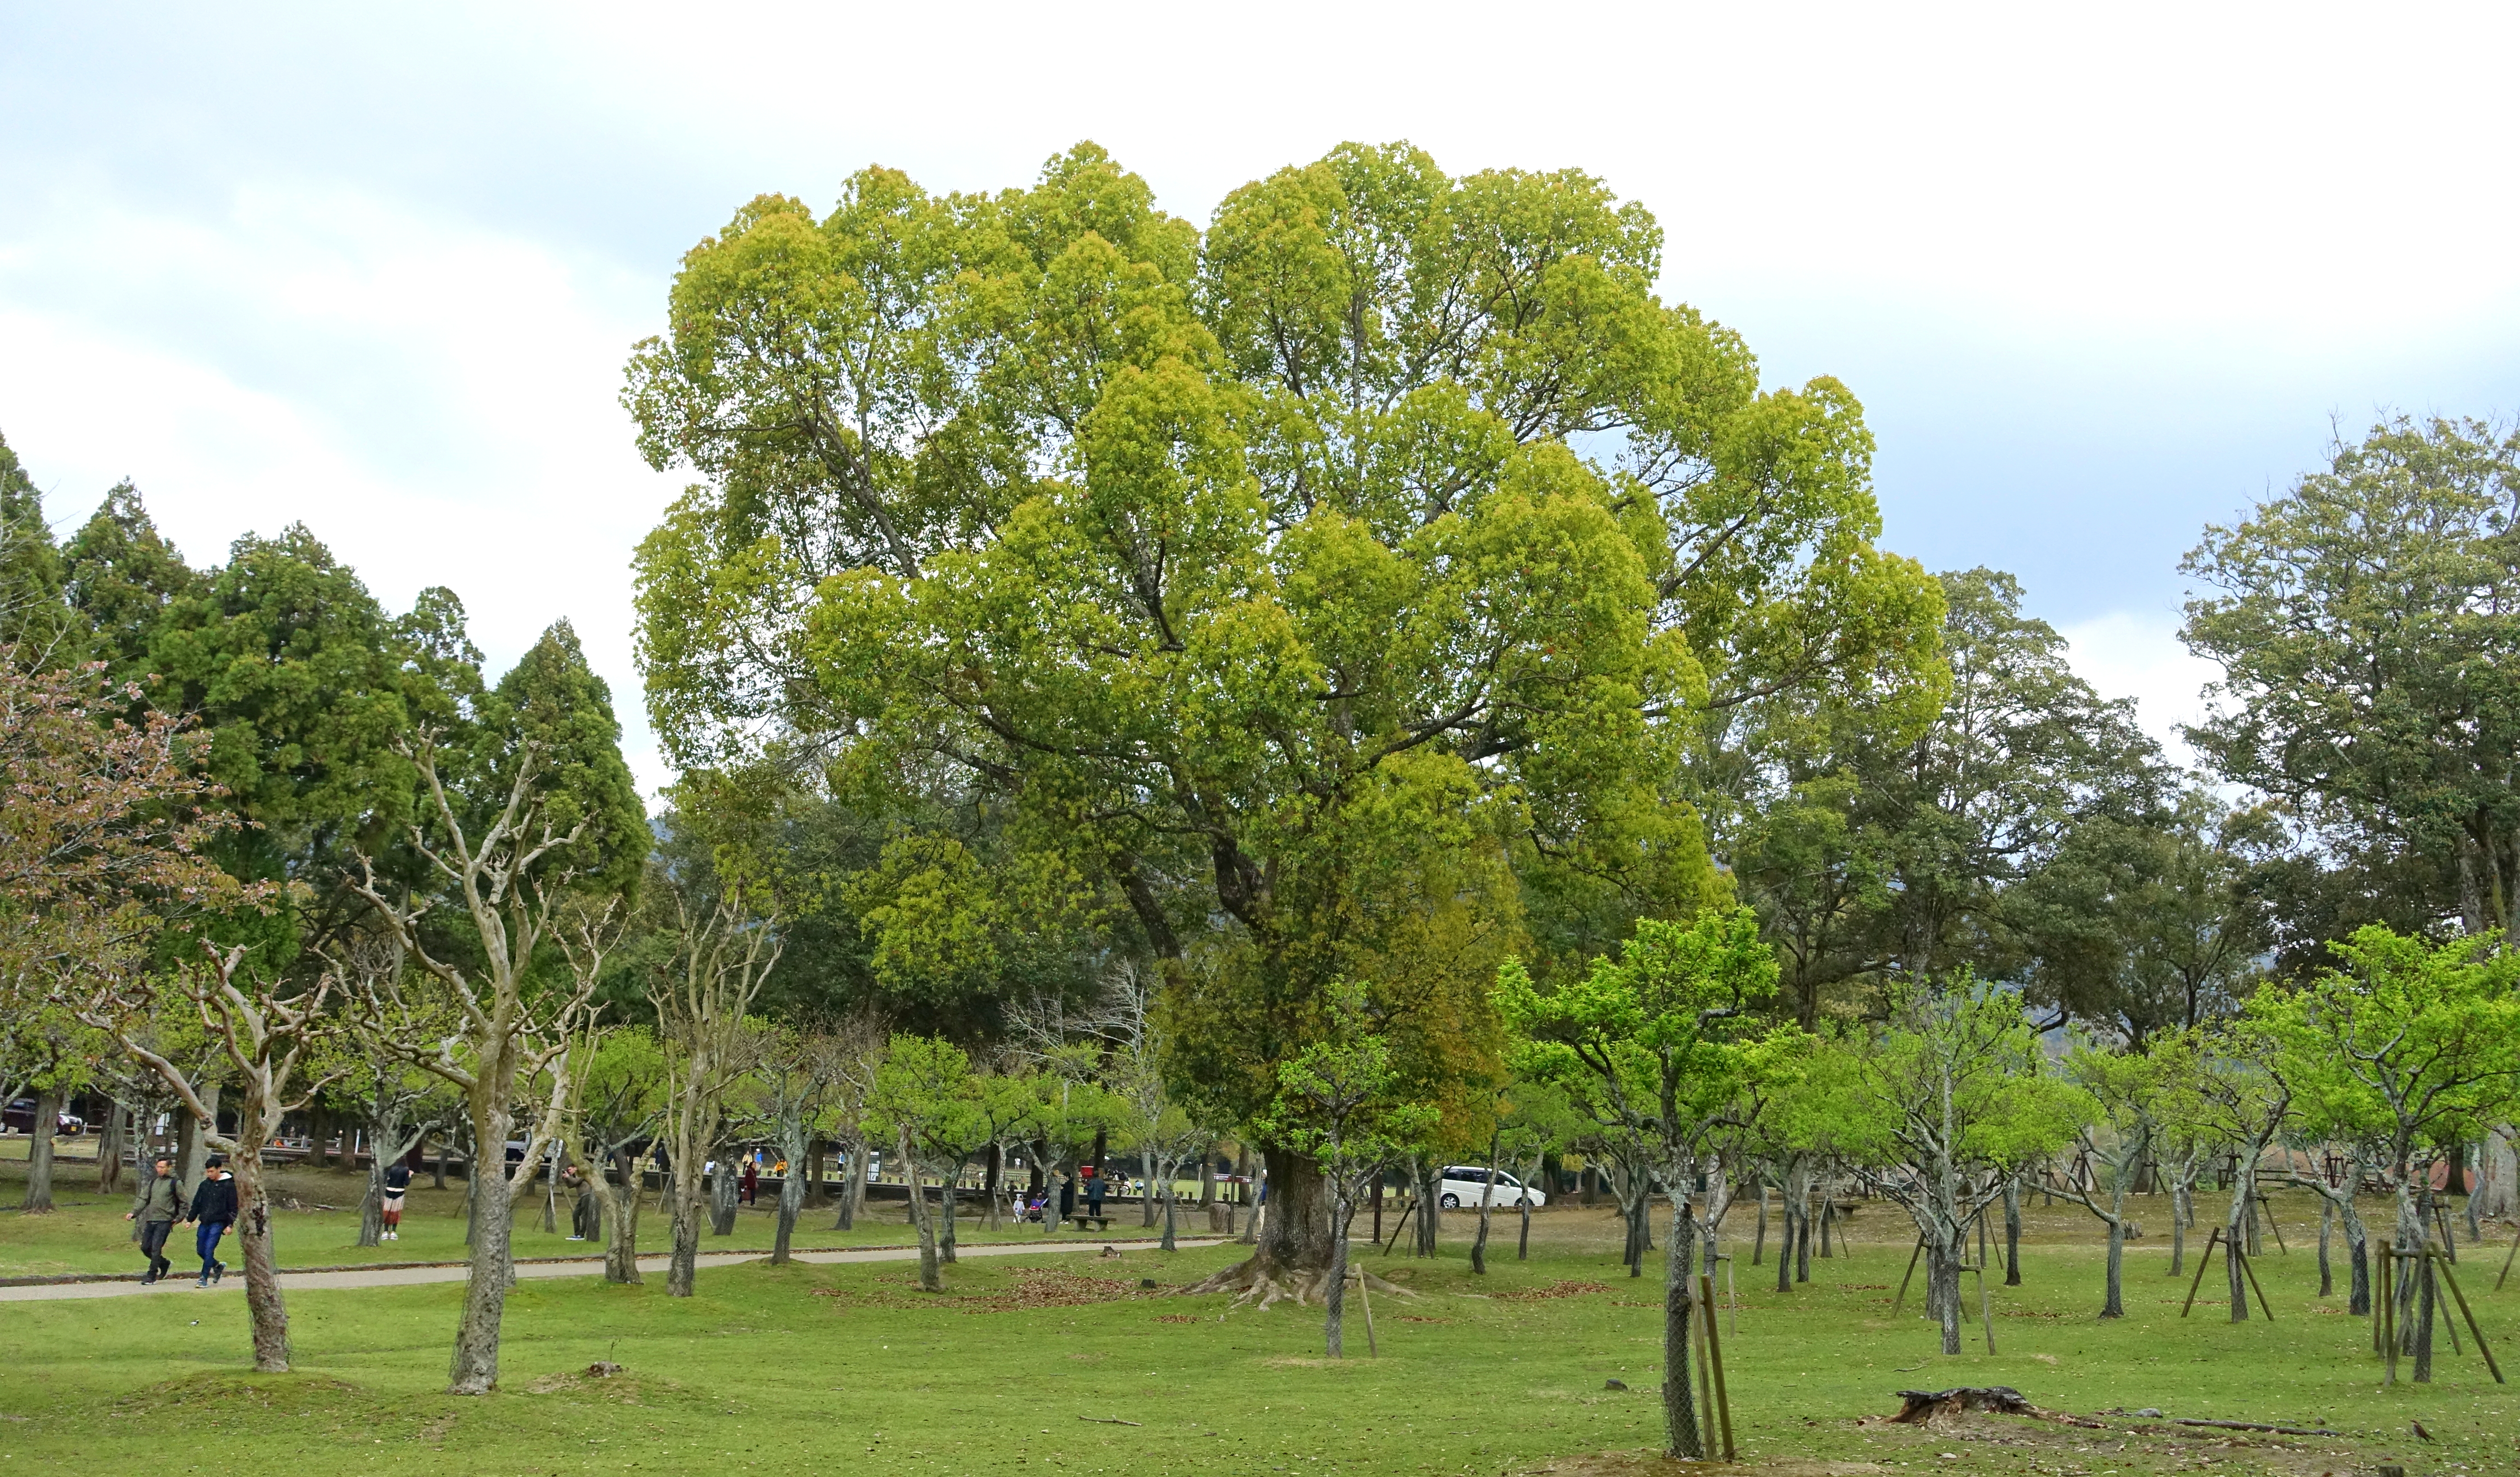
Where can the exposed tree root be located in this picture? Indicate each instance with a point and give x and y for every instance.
(1264, 1281)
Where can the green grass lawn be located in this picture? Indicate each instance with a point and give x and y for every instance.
(87, 1233)
(1024, 1362)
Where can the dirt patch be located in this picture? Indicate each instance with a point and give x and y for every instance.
(1179, 1318)
(1032, 1287)
(1547, 1291)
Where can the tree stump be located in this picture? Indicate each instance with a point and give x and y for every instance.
(1922, 1407)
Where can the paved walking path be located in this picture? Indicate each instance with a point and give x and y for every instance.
(181, 1284)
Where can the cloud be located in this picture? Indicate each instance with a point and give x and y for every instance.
(2137, 654)
(435, 402)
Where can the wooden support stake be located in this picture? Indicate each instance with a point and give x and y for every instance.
(1706, 1426)
(1372, 1350)
(2506, 1262)
(1402, 1225)
(1900, 1301)
(2204, 1259)
(2251, 1272)
(2268, 1206)
(2465, 1311)
(1985, 1306)
(1715, 1361)
(2389, 1310)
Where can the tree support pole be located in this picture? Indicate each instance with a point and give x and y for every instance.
(1715, 1361)
(1371, 1349)
(1902, 1300)
(2268, 1206)
(2204, 1259)
(2482, 1347)
(2389, 1310)
(1985, 1306)
(2506, 1262)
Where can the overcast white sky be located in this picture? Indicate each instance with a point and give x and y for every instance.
(2100, 274)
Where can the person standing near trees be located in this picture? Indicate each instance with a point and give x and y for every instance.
(389, 1204)
(1066, 1199)
(160, 1206)
(1094, 1187)
(214, 1210)
(751, 1192)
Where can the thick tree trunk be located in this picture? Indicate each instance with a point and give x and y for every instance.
(2326, 1227)
(949, 1193)
(621, 1227)
(1679, 1306)
(992, 1187)
(929, 1278)
(1942, 1260)
(2114, 1304)
(264, 1306)
(40, 1151)
(189, 1134)
(722, 1187)
(1430, 1209)
(1295, 1235)
(113, 1142)
(852, 1182)
(2012, 1231)
(684, 1195)
(474, 1370)
(1169, 1199)
(792, 1202)
(1147, 1201)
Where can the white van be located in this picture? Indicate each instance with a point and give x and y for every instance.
(1462, 1185)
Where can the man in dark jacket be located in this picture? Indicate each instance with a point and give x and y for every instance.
(214, 1210)
(1066, 1199)
(1094, 1187)
(160, 1206)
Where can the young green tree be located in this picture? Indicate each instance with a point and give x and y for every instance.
(1668, 1038)
(1949, 1100)
(2120, 1120)
(2414, 1043)
(1341, 1102)
(927, 1099)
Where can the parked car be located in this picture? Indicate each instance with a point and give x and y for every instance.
(1462, 1185)
(20, 1118)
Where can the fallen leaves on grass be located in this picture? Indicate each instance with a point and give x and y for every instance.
(1032, 1287)
(1563, 1287)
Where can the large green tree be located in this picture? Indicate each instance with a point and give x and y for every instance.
(1342, 587)
(2367, 623)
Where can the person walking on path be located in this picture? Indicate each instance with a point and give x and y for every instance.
(160, 1206)
(752, 1181)
(397, 1184)
(214, 1210)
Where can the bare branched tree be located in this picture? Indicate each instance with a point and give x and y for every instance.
(265, 1036)
(721, 955)
(506, 1027)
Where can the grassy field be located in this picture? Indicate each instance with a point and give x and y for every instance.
(1031, 1364)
